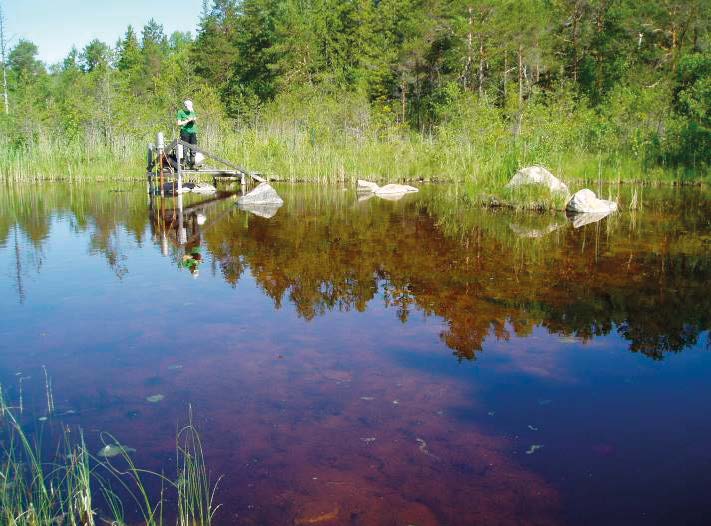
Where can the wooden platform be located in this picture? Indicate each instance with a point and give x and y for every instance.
(215, 172)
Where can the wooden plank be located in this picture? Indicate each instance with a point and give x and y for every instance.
(225, 173)
(218, 159)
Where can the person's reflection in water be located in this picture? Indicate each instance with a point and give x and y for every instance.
(192, 260)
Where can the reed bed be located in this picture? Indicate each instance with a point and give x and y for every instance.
(325, 139)
(76, 488)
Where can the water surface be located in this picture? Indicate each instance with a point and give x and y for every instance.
(374, 362)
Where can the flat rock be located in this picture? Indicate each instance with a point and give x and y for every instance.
(263, 194)
(203, 188)
(539, 176)
(366, 186)
(395, 189)
(585, 201)
(393, 192)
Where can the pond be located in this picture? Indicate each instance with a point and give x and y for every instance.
(372, 362)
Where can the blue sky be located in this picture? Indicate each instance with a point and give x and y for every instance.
(56, 25)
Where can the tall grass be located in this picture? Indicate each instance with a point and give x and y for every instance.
(330, 138)
(47, 492)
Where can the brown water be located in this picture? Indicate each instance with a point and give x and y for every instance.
(413, 362)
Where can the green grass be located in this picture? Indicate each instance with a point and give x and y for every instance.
(45, 492)
(325, 140)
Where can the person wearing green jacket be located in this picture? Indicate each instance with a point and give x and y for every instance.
(187, 120)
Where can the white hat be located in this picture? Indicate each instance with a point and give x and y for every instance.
(188, 104)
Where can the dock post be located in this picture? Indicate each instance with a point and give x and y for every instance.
(160, 144)
(179, 155)
(182, 235)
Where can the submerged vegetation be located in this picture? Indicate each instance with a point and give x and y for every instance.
(464, 91)
(72, 486)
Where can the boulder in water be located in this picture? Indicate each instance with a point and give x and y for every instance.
(540, 176)
(263, 194)
(366, 186)
(583, 219)
(392, 192)
(266, 211)
(395, 189)
(203, 188)
(585, 201)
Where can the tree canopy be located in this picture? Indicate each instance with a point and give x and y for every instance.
(413, 59)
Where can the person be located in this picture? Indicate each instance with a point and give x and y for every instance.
(192, 260)
(188, 128)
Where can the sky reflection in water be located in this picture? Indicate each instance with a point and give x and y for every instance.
(378, 362)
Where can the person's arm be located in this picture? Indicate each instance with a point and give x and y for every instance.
(187, 120)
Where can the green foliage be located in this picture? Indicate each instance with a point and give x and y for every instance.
(497, 83)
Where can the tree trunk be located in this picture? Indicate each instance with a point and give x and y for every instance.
(520, 75)
(4, 62)
(576, 19)
(481, 65)
(470, 59)
(600, 22)
(403, 98)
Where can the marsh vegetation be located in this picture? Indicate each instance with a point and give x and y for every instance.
(395, 90)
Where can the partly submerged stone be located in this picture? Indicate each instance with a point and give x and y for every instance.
(114, 450)
(155, 398)
(539, 176)
(203, 188)
(395, 189)
(583, 219)
(366, 186)
(262, 210)
(392, 191)
(585, 201)
(263, 194)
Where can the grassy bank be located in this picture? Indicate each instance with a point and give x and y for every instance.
(329, 139)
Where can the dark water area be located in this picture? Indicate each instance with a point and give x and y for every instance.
(375, 363)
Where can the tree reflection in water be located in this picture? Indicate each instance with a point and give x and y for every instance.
(644, 274)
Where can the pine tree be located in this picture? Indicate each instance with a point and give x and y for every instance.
(154, 47)
(95, 55)
(214, 52)
(129, 52)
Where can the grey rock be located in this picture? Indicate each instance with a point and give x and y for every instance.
(585, 201)
(203, 188)
(266, 211)
(540, 176)
(366, 186)
(263, 194)
(395, 189)
(392, 192)
(583, 219)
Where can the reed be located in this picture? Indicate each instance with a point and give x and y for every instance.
(326, 139)
(37, 492)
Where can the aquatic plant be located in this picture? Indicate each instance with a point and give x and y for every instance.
(38, 492)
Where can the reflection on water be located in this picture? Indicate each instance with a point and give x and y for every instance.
(314, 342)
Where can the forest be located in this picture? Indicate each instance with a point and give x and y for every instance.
(463, 90)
